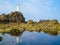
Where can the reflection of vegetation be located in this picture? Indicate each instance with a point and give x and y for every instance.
(15, 32)
(51, 32)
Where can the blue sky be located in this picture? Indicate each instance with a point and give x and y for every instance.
(33, 9)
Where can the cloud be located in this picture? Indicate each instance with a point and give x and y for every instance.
(37, 8)
(30, 8)
(6, 7)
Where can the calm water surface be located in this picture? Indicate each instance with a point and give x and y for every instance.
(30, 38)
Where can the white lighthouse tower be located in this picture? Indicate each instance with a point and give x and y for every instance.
(18, 8)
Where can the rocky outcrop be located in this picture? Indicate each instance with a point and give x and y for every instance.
(12, 17)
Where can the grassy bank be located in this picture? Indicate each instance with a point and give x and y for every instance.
(29, 26)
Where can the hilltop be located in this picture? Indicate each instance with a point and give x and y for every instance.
(12, 17)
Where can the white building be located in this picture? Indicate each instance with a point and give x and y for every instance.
(18, 8)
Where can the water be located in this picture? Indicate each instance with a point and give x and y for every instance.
(30, 38)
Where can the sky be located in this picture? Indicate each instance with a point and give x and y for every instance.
(33, 9)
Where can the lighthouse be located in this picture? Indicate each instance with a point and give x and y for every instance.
(18, 8)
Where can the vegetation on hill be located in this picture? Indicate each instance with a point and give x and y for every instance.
(12, 17)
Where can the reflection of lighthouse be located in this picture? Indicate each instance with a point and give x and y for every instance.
(18, 8)
(17, 39)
